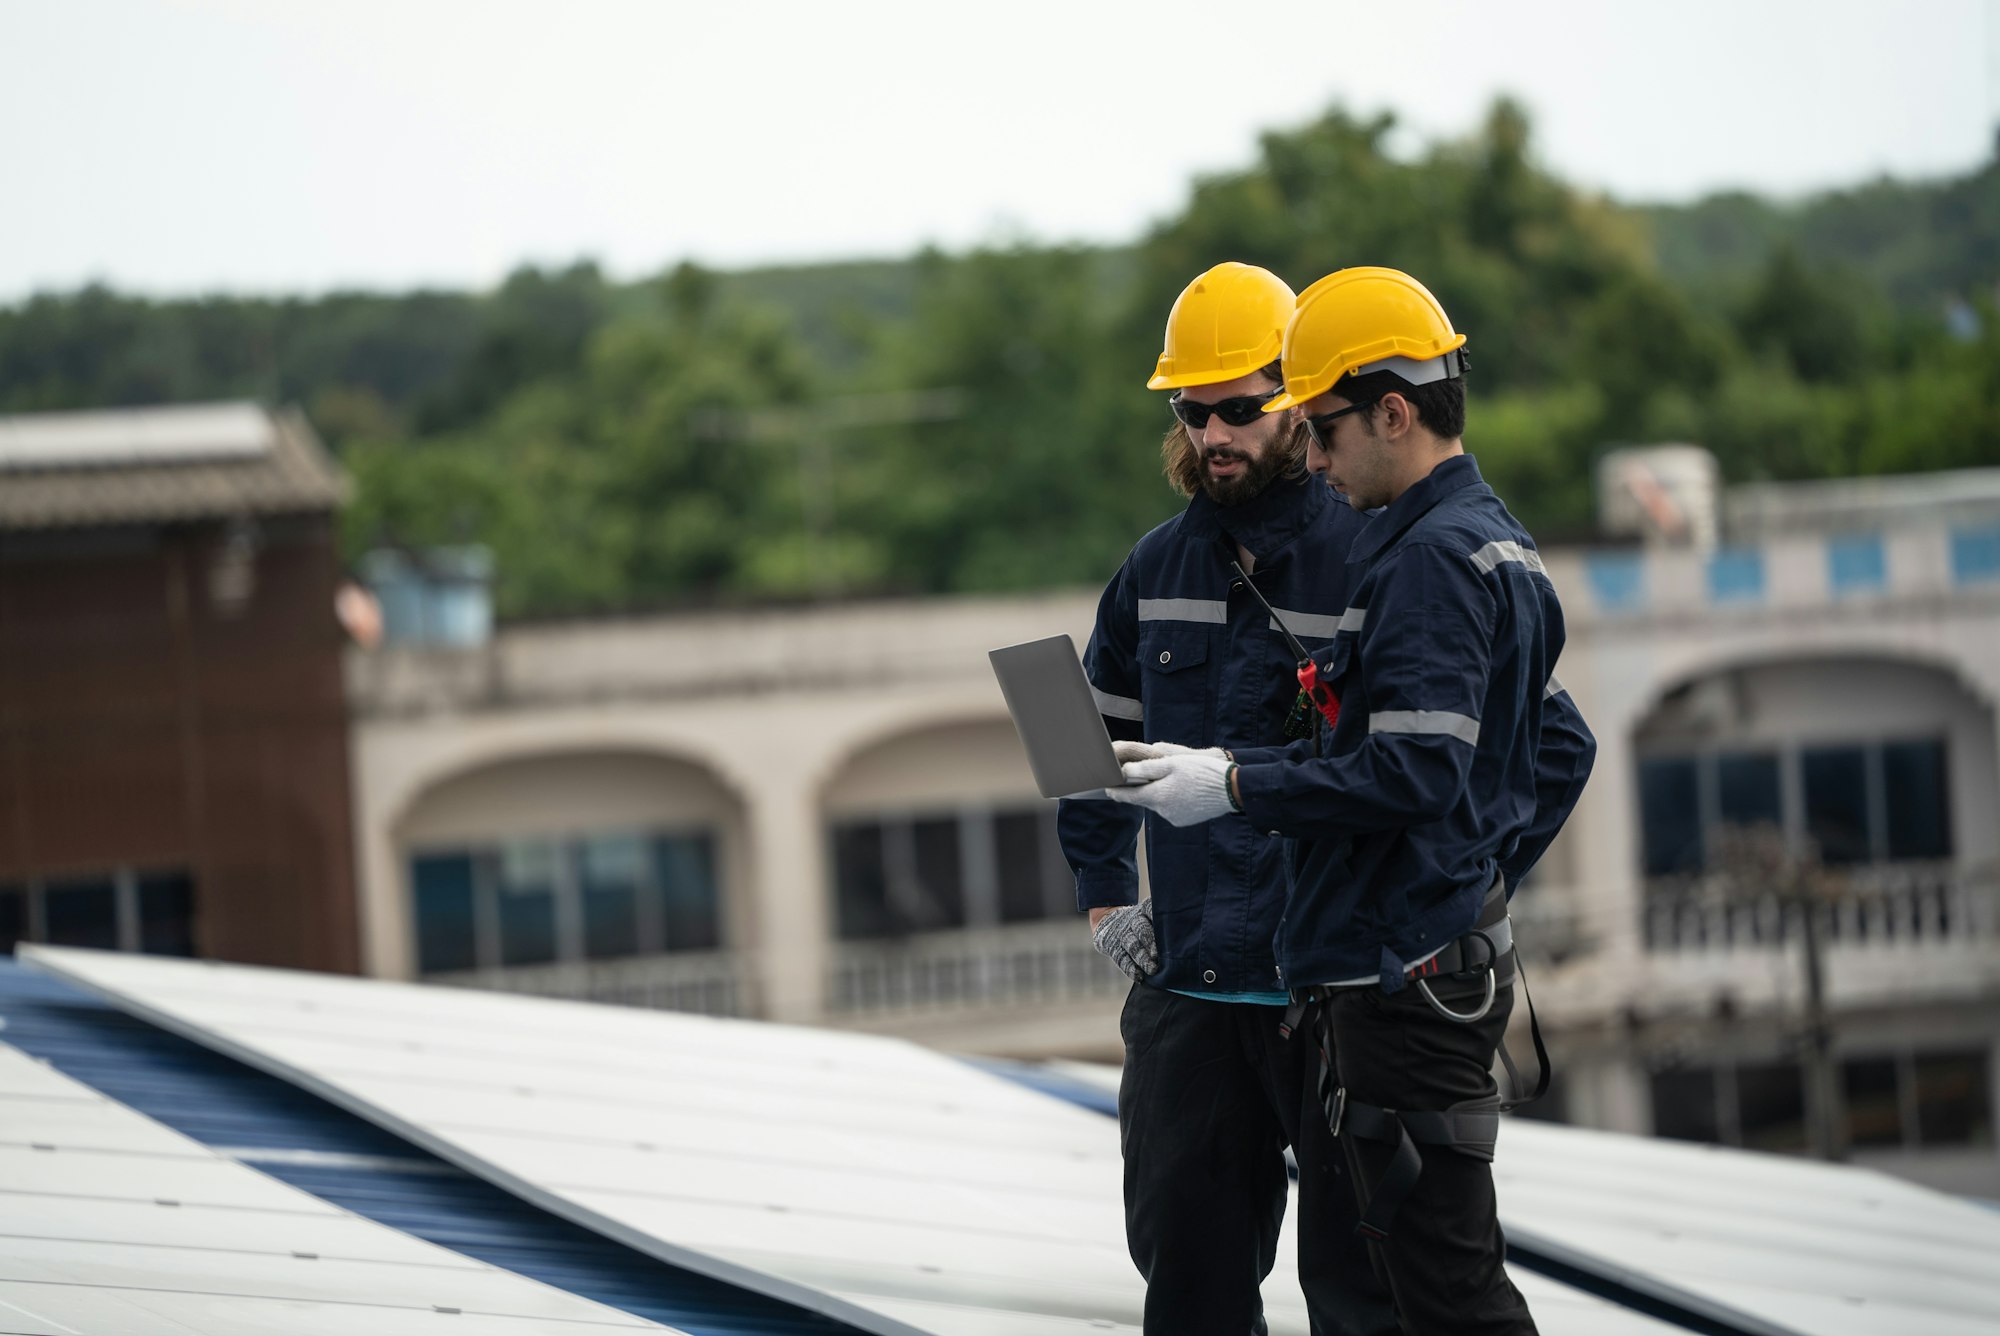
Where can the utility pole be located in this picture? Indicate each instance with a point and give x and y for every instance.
(1756, 862)
(1824, 1129)
(813, 428)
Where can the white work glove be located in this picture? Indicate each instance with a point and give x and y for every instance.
(1187, 789)
(1125, 936)
(1153, 751)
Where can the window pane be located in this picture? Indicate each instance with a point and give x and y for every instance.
(691, 900)
(1919, 804)
(82, 913)
(1837, 803)
(1771, 1106)
(442, 887)
(612, 870)
(1954, 1100)
(1874, 1110)
(861, 883)
(1684, 1105)
(527, 902)
(940, 888)
(1670, 811)
(1017, 843)
(1747, 789)
(13, 917)
(166, 914)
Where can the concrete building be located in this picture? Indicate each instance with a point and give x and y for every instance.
(823, 815)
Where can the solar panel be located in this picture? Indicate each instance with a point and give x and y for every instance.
(866, 1177)
(170, 435)
(112, 1224)
(1815, 1247)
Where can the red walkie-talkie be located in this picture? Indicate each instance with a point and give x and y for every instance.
(1310, 687)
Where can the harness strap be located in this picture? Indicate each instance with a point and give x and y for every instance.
(1296, 1010)
(1471, 1128)
(1541, 1056)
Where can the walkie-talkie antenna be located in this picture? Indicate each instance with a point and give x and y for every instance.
(1298, 649)
(1316, 691)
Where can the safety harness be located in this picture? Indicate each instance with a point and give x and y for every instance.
(1483, 959)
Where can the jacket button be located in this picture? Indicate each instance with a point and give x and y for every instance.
(1208, 976)
(1166, 656)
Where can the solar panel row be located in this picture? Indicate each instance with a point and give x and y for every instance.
(897, 1188)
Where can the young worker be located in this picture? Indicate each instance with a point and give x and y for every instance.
(1213, 1093)
(1455, 759)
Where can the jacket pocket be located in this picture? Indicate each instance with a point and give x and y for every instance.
(1174, 682)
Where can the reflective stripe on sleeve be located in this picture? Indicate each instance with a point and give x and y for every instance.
(1183, 610)
(1320, 626)
(1463, 727)
(1117, 707)
(1499, 553)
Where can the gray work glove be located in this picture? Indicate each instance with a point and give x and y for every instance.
(1187, 789)
(1125, 936)
(1153, 751)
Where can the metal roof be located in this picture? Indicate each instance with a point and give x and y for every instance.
(302, 1140)
(156, 465)
(903, 1189)
(179, 434)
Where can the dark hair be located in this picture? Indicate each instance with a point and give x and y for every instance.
(1440, 405)
(1180, 458)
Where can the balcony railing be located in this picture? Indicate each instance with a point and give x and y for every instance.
(1881, 907)
(711, 983)
(1024, 964)
(975, 967)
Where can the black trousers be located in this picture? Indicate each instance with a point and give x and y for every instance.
(1444, 1259)
(1211, 1096)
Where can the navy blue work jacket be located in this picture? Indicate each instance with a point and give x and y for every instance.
(1457, 756)
(1181, 655)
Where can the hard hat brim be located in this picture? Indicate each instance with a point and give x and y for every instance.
(1286, 399)
(1187, 378)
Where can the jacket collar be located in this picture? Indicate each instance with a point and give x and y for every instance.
(1453, 475)
(1266, 523)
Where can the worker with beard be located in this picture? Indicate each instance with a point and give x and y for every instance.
(1213, 1093)
(1455, 758)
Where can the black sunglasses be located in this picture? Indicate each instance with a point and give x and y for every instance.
(1321, 427)
(1241, 411)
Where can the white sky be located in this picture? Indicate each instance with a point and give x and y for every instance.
(297, 145)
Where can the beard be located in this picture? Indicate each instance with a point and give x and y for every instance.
(1259, 471)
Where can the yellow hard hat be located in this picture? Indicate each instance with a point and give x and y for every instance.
(1225, 324)
(1360, 320)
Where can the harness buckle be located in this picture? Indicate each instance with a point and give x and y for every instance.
(1473, 969)
(1338, 1112)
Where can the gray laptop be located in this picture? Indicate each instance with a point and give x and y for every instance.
(1056, 716)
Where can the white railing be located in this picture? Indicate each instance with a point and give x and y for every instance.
(1893, 906)
(712, 983)
(975, 967)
